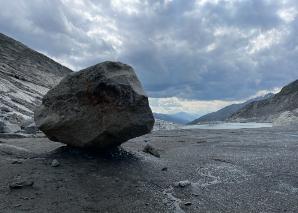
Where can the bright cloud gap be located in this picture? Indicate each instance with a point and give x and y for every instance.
(174, 105)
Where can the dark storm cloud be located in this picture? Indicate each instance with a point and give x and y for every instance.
(223, 49)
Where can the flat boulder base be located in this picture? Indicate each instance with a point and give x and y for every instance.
(98, 107)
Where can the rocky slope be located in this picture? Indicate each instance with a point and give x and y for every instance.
(25, 76)
(270, 109)
(287, 118)
(224, 113)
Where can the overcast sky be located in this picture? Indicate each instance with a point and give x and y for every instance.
(190, 55)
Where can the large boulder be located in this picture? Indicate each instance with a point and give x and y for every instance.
(101, 106)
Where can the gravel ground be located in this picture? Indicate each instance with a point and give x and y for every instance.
(246, 170)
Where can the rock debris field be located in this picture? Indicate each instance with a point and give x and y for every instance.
(246, 170)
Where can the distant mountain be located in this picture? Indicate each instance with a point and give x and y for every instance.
(25, 76)
(185, 116)
(270, 109)
(178, 118)
(169, 118)
(225, 113)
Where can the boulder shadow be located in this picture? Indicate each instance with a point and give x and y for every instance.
(114, 154)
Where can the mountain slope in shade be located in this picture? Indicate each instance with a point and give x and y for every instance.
(270, 109)
(178, 118)
(25, 76)
(188, 117)
(225, 113)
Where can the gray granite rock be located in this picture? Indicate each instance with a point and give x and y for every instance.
(55, 163)
(151, 150)
(101, 106)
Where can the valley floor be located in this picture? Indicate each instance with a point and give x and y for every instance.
(246, 170)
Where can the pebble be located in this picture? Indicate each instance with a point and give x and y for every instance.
(151, 150)
(164, 169)
(55, 163)
(18, 184)
(187, 203)
(16, 162)
(184, 183)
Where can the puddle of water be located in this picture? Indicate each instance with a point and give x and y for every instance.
(250, 125)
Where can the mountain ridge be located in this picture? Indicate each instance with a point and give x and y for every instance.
(178, 118)
(25, 76)
(270, 109)
(224, 113)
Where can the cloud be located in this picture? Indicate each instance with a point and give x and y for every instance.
(174, 105)
(203, 50)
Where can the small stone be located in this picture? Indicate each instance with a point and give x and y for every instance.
(55, 163)
(187, 203)
(184, 183)
(151, 150)
(195, 194)
(164, 169)
(18, 184)
(147, 204)
(176, 184)
(16, 162)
